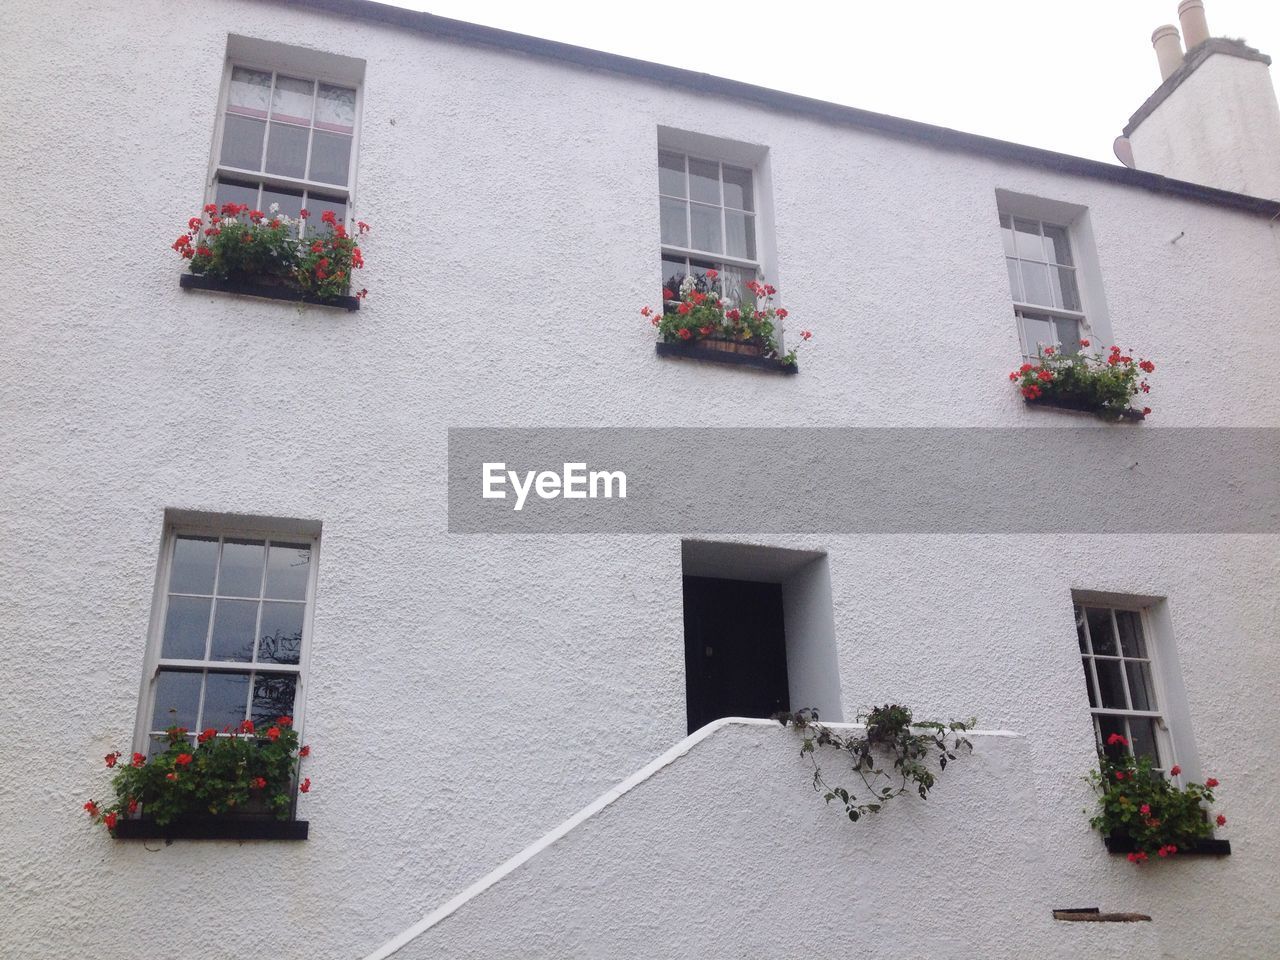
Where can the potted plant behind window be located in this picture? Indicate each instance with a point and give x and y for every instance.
(700, 316)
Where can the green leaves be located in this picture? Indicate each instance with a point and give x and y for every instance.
(891, 732)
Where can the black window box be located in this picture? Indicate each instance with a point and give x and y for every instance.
(246, 288)
(1067, 403)
(1208, 847)
(694, 350)
(214, 828)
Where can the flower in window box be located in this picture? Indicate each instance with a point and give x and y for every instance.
(216, 777)
(744, 322)
(1138, 804)
(243, 245)
(1101, 384)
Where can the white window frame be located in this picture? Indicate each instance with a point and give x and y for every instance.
(1165, 742)
(754, 267)
(720, 150)
(153, 662)
(1050, 312)
(261, 177)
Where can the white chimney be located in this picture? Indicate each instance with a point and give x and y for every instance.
(1195, 29)
(1168, 49)
(1214, 119)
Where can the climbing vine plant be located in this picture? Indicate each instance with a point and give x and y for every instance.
(893, 755)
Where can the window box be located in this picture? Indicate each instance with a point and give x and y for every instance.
(1207, 847)
(717, 352)
(249, 288)
(214, 828)
(1132, 414)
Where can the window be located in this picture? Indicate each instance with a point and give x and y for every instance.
(1119, 674)
(1043, 283)
(229, 632)
(708, 210)
(285, 139)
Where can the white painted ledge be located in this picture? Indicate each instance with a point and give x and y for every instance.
(590, 810)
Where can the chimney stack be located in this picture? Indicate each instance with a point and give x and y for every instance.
(1195, 29)
(1168, 49)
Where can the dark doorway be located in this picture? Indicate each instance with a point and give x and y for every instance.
(735, 651)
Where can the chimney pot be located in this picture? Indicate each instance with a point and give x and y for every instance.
(1195, 29)
(1168, 49)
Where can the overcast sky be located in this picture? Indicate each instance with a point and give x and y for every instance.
(1065, 75)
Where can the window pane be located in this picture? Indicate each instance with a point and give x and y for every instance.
(737, 188)
(287, 150)
(1088, 683)
(1107, 726)
(1100, 632)
(272, 697)
(1110, 685)
(177, 698)
(1143, 739)
(233, 625)
(1015, 280)
(673, 272)
(194, 561)
(225, 698)
(1056, 246)
(288, 569)
(291, 100)
(740, 229)
(290, 201)
(1006, 236)
(1068, 334)
(1065, 292)
(705, 223)
(186, 626)
(317, 204)
(241, 574)
(234, 191)
(1026, 239)
(704, 180)
(1035, 284)
(330, 157)
(1036, 331)
(336, 109)
(1140, 689)
(1129, 623)
(249, 93)
(674, 229)
(242, 143)
(671, 173)
(733, 283)
(280, 636)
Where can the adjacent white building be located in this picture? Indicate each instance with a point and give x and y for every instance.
(181, 462)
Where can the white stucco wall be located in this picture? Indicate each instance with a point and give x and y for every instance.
(1220, 127)
(468, 692)
(728, 852)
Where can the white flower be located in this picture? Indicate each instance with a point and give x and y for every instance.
(274, 208)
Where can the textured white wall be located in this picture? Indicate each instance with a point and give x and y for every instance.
(1220, 127)
(735, 856)
(468, 692)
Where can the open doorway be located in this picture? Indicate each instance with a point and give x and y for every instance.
(759, 632)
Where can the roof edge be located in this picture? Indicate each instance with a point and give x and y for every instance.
(941, 137)
(1195, 56)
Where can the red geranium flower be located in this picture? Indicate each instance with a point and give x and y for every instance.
(1211, 783)
(1175, 770)
(139, 759)
(806, 334)
(171, 776)
(111, 758)
(781, 312)
(685, 334)
(258, 783)
(712, 274)
(1116, 738)
(91, 808)
(110, 821)
(683, 308)
(1221, 820)
(1119, 774)
(305, 751)
(182, 759)
(273, 734)
(305, 785)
